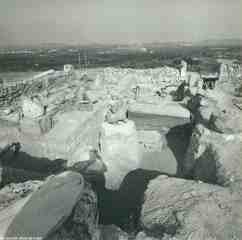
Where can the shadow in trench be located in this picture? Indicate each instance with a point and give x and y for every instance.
(18, 166)
(123, 207)
(178, 139)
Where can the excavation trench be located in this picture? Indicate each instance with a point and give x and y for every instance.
(121, 207)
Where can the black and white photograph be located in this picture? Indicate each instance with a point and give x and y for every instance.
(120, 119)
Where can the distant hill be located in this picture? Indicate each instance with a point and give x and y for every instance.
(170, 44)
(221, 42)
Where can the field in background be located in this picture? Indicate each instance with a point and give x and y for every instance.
(198, 57)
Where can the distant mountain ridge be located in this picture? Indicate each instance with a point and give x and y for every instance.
(208, 42)
(225, 42)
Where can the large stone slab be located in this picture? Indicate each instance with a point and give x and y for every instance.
(158, 116)
(45, 210)
(83, 222)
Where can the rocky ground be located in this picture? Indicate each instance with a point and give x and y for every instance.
(140, 165)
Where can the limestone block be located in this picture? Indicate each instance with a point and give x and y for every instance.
(119, 148)
(158, 116)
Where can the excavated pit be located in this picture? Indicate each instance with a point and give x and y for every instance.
(121, 207)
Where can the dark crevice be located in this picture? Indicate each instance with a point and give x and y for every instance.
(178, 139)
(205, 167)
(123, 207)
(18, 166)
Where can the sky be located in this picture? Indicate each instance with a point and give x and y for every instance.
(113, 21)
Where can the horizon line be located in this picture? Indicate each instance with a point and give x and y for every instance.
(123, 43)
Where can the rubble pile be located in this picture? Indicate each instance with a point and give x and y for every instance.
(10, 93)
(163, 79)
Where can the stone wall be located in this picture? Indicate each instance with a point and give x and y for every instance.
(230, 71)
(10, 93)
